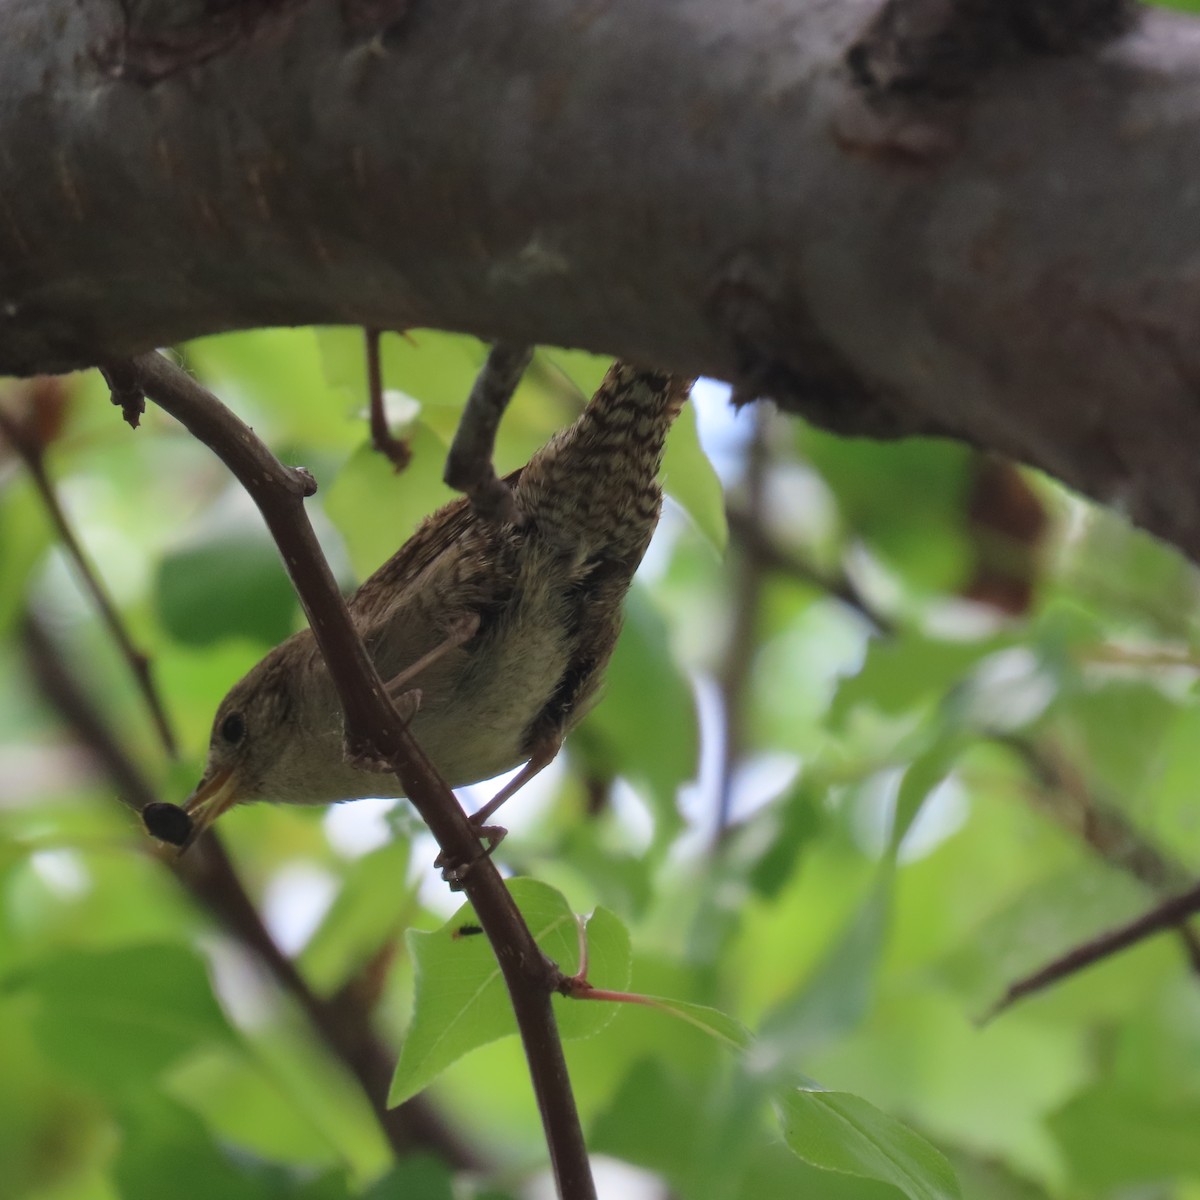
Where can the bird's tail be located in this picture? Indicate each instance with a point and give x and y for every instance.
(594, 486)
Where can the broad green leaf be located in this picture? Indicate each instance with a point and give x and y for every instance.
(162, 1144)
(902, 673)
(731, 1033)
(377, 509)
(907, 500)
(837, 996)
(1115, 1138)
(787, 828)
(1119, 725)
(690, 480)
(838, 1131)
(415, 1177)
(122, 1016)
(584, 370)
(368, 912)
(42, 1107)
(461, 1001)
(25, 533)
(1047, 918)
(921, 777)
(432, 366)
(273, 379)
(229, 586)
(700, 1137)
(644, 726)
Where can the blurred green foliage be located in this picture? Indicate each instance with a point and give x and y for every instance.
(956, 756)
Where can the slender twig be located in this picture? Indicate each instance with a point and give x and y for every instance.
(376, 732)
(839, 586)
(738, 656)
(343, 1023)
(1169, 915)
(469, 466)
(33, 457)
(395, 450)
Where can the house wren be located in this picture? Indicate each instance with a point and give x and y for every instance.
(495, 632)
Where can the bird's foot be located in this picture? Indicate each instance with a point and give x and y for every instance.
(455, 872)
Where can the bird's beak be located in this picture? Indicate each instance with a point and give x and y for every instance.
(213, 797)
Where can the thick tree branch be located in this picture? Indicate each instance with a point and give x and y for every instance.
(708, 186)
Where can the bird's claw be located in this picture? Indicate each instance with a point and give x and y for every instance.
(455, 872)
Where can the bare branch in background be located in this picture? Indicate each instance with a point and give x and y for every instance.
(343, 1023)
(32, 454)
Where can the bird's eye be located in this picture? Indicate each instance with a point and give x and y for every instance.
(233, 728)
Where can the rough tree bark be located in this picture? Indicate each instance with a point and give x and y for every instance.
(938, 219)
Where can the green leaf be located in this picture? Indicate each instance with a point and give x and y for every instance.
(431, 366)
(644, 726)
(690, 479)
(124, 1015)
(273, 379)
(25, 533)
(461, 1001)
(415, 1177)
(1113, 1138)
(376, 509)
(838, 994)
(907, 500)
(368, 911)
(164, 1146)
(787, 828)
(921, 777)
(231, 586)
(727, 1030)
(838, 1131)
(901, 673)
(585, 371)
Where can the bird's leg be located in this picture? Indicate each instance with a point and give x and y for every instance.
(461, 630)
(469, 464)
(408, 700)
(545, 751)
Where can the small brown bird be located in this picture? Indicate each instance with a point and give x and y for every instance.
(496, 632)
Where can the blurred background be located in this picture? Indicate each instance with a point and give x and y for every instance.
(889, 726)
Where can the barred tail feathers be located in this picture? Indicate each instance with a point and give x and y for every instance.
(595, 485)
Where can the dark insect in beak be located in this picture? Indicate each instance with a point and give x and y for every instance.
(167, 822)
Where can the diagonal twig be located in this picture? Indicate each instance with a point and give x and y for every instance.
(32, 455)
(374, 729)
(1170, 914)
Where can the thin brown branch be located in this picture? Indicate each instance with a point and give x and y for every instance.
(469, 466)
(753, 539)
(738, 657)
(343, 1023)
(33, 457)
(1171, 914)
(376, 732)
(395, 450)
